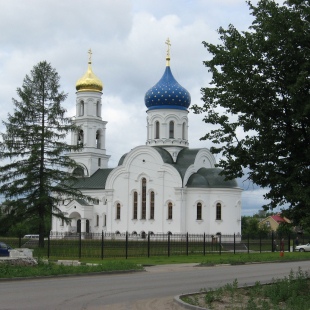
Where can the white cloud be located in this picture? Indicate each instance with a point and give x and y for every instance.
(127, 39)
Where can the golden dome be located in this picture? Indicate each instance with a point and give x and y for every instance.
(89, 81)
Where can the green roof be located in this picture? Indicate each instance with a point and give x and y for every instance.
(83, 202)
(96, 181)
(203, 178)
(210, 178)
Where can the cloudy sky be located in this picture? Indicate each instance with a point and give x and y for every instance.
(127, 38)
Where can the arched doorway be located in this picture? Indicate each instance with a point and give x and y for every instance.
(78, 224)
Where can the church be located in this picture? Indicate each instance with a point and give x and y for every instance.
(160, 187)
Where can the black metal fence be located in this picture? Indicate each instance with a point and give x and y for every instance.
(124, 245)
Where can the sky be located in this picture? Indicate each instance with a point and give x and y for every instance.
(127, 39)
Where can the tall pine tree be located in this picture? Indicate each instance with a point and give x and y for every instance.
(37, 175)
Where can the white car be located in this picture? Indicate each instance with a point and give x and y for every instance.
(303, 248)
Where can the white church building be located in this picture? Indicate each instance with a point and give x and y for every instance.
(160, 187)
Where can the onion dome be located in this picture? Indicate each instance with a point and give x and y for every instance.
(167, 93)
(89, 81)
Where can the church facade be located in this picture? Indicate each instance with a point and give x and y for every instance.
(160, 187)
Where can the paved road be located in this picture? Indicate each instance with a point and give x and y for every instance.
(141, 290)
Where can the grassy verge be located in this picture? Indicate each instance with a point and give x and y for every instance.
(291, 293)
(108, 265)
(212, 259)
(53, 269)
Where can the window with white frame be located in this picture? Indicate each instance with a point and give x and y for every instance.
(143, 197)
(135, 206)
(199, 211)
(157, 130)
(152, 205)
(81, 109)
(118, 211)
(218, 216)
(170, 211)
(171, 129)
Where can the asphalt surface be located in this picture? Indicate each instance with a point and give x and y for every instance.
(152, 289)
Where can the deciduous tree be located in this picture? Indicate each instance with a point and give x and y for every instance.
(259, 101)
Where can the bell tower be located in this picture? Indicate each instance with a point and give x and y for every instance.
(92, 128)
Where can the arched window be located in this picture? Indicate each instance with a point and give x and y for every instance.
(152, 203)
(157, 130)
(78, 172)
(118, 211)
(81, 110)
(183, 131)
(80, 137)
(97, 220)
(171, 130)
(170, 211)
(99, 162)
(104, 220)
(143, 202)
(98, 138)
(135, 206)
(98, 108)
(199, 211)
(218, 211)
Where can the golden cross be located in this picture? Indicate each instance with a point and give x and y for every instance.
(168, 45)
(89, 53)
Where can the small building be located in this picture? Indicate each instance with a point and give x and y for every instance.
(273, 221)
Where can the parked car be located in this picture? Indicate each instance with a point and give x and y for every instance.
(4, 249)
(303, 248)
(31, 237)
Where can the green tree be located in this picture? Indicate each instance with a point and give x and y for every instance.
(284, 229)
(250, 226)
(37, 175)
(259, 101)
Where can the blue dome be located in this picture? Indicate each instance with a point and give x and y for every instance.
(167, 94)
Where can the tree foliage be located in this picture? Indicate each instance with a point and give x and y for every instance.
(36, 174)
(259, 103)
(250, 226)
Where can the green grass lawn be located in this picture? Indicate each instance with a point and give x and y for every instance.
(212, 259)
(112, 264)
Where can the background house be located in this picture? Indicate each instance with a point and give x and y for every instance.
(273, 221)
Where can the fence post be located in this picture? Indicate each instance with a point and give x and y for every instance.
(102, 240)
(272, 243)
(289, 242)
(126, 244)
(168, 245)
(148, 245)
(80, 245)
(204, 244)
(220, 245)
(260, 242)
(48, 246)
(248, 243)
(187, 243)
(20, 241)
(234, 243)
